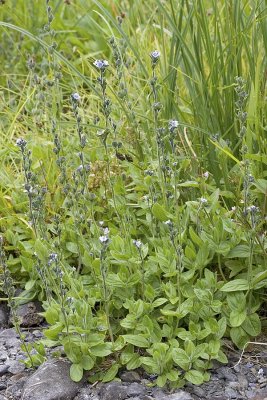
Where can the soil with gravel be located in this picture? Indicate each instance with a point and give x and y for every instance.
(240, 379)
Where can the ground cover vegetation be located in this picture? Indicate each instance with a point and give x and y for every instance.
(133, 180)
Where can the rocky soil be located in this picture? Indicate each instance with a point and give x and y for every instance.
(247, 380)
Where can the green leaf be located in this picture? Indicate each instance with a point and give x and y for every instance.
(237, 317)
(213, 347)
(261, 184)
(30, 284)
(27, 263)
(149, 362)
(252, 325)
(135, 362)
(222, 323)
(194, 376)
(76, 372)
(180, 357)
(102, 350)
(188, 184)
(236, 301)
(196, 239)
(158, 302)
(161, 380)
(111, 373)
(87, 362)
(119, 344)
(239, 337)
(221, 357)
(261, 276)
(95, 339)
(51, 315)
(235, 285)
(160, 213)
(189, 347)
(173, 375)
(114, 280)
(240, 251)
(54, 331)
(41, 250)
(72, 247)
(199, 351)
(136, 340)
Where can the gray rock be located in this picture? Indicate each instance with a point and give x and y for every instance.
(112, 391)
(198, 391)
(2, 397)
(3, 386)
(85, 394)
(135, 389)
(130, 376)
(14, 391)
(15, 367)
(9, 338)
(137, 398)
(7, 333)
(38, 334)
(28, 314)
(3, 353)
(53, 381)
(231, 393)
(179, 395)
(227, 374)
(3, 369)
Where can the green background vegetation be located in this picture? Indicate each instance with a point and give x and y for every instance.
(184, 262)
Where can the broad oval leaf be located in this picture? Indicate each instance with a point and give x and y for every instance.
(158, 302)
(235, 285)
(237, 317)
(87, 362)
(76, 372)
(102, 350)
(72, 247)
(252, 325)
(239, 337)
(194, 376)
(159, 212)
(180, 358)
(136, 340)
(111, 373)
(240, 251)
(134, 362)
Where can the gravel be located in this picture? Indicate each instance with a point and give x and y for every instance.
(51, 381)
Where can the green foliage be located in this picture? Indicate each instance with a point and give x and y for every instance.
(136, 212)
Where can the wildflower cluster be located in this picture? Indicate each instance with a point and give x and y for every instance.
(35, 193)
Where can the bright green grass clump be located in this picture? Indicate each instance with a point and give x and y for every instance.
(133, 182)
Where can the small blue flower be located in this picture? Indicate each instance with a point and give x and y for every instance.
(76, 97)
(203, 200)
(104, 239)
(21, 143)
(173, 124)
(101, 64)
(155, 55)
(137, 243)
